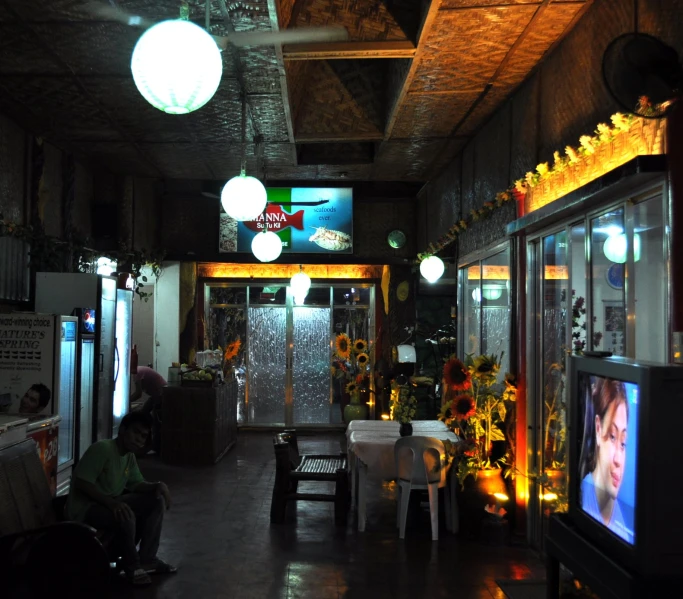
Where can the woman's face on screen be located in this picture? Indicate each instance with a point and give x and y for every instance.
(611, 435)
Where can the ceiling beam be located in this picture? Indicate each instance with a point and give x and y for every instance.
(347, 50)
(346, 137)
(282, 75)
(424, 30)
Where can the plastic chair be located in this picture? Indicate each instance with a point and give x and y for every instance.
(420, 464)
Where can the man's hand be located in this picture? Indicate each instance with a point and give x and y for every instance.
(162, 491)
(122, 511)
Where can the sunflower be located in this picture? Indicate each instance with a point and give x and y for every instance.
(511, 380)
(456, 375)
(343, 344)
(360, 346)
(351, 387)
(463, 407)
(362, 360)
(485, 366)
(232, 350)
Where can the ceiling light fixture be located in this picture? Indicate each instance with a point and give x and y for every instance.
(431, 268)
(300, 283)
(177, 66)
(615, 248)
(266, 246)
(243, 197)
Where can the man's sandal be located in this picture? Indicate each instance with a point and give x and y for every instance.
(138, 578)
(159, 566)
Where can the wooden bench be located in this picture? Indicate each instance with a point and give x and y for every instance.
(291, 467)
(37, 549)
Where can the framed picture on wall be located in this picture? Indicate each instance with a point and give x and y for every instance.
(615, 320)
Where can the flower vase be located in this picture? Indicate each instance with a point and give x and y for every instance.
(355, 410)
(406, 429)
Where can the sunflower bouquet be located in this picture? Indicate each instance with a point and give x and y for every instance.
(475, 408)
(351, 363)
(231, 356)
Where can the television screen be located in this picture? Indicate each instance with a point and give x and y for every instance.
(608, 445)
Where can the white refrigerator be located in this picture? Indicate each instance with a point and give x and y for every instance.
(109, 398)
(38, 360)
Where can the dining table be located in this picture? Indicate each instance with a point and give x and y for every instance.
(370, 445)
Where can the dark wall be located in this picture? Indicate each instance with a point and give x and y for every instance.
(563, 99)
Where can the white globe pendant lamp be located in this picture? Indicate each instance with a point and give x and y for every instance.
(431, 268)
(300, 283)
(244, 197)
(177, 66)
(266, 246)
(615, 248)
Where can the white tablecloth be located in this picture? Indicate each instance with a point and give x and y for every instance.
(390, 427)
(376, 449)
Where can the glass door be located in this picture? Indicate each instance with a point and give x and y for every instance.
(281, 353)
(267, 360)
(311, 366)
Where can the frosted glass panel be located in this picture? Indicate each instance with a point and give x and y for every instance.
(267, 365)
(311, 366)
(496, 338)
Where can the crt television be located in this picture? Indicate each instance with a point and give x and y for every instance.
(626, 452)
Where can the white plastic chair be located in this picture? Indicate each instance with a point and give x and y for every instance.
(420, 464)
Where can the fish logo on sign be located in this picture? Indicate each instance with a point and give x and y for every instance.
(276, 219)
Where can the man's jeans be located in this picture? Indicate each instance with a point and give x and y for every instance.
(146, 526)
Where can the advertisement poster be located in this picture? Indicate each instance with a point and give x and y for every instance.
(46, 439)
(307, 220)
(26, 363)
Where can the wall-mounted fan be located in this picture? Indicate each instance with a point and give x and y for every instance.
(239, 39)
(643, 75)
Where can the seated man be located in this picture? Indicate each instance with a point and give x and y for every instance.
(108, 492)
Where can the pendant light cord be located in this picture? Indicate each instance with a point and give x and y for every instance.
(243, 164)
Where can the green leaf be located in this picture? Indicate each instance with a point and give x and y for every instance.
(496, 434)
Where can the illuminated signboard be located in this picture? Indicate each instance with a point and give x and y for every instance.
(308, 220)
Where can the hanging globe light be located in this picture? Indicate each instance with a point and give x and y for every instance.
(244, 197)
(615, 248)
(266, 246)
(300, 283)
(176, 66)
(432, 268)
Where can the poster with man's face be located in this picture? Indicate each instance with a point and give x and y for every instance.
(26, 363)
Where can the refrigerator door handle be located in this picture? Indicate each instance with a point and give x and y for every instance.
(101, 362)
(117, 360)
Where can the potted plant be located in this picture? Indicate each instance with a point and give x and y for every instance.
(350, 368)
(403, 405)
(476, 410)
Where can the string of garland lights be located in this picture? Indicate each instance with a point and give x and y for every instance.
(573, 159)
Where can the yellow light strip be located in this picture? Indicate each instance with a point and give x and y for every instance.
(556, 272)
(490, 272)
(218, 270)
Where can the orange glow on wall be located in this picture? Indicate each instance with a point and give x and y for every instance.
(218, 270)
(644, 137)
(490, 272)
(556, 272)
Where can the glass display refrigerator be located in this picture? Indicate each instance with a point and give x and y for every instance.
(38, 381)
(124, 344)
(87, 370)
(78, 293)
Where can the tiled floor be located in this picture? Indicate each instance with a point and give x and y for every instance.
(219, 534)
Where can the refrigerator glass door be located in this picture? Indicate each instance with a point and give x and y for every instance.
(86, 394)
(67, 388)
(124, 317)
(105, 366)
